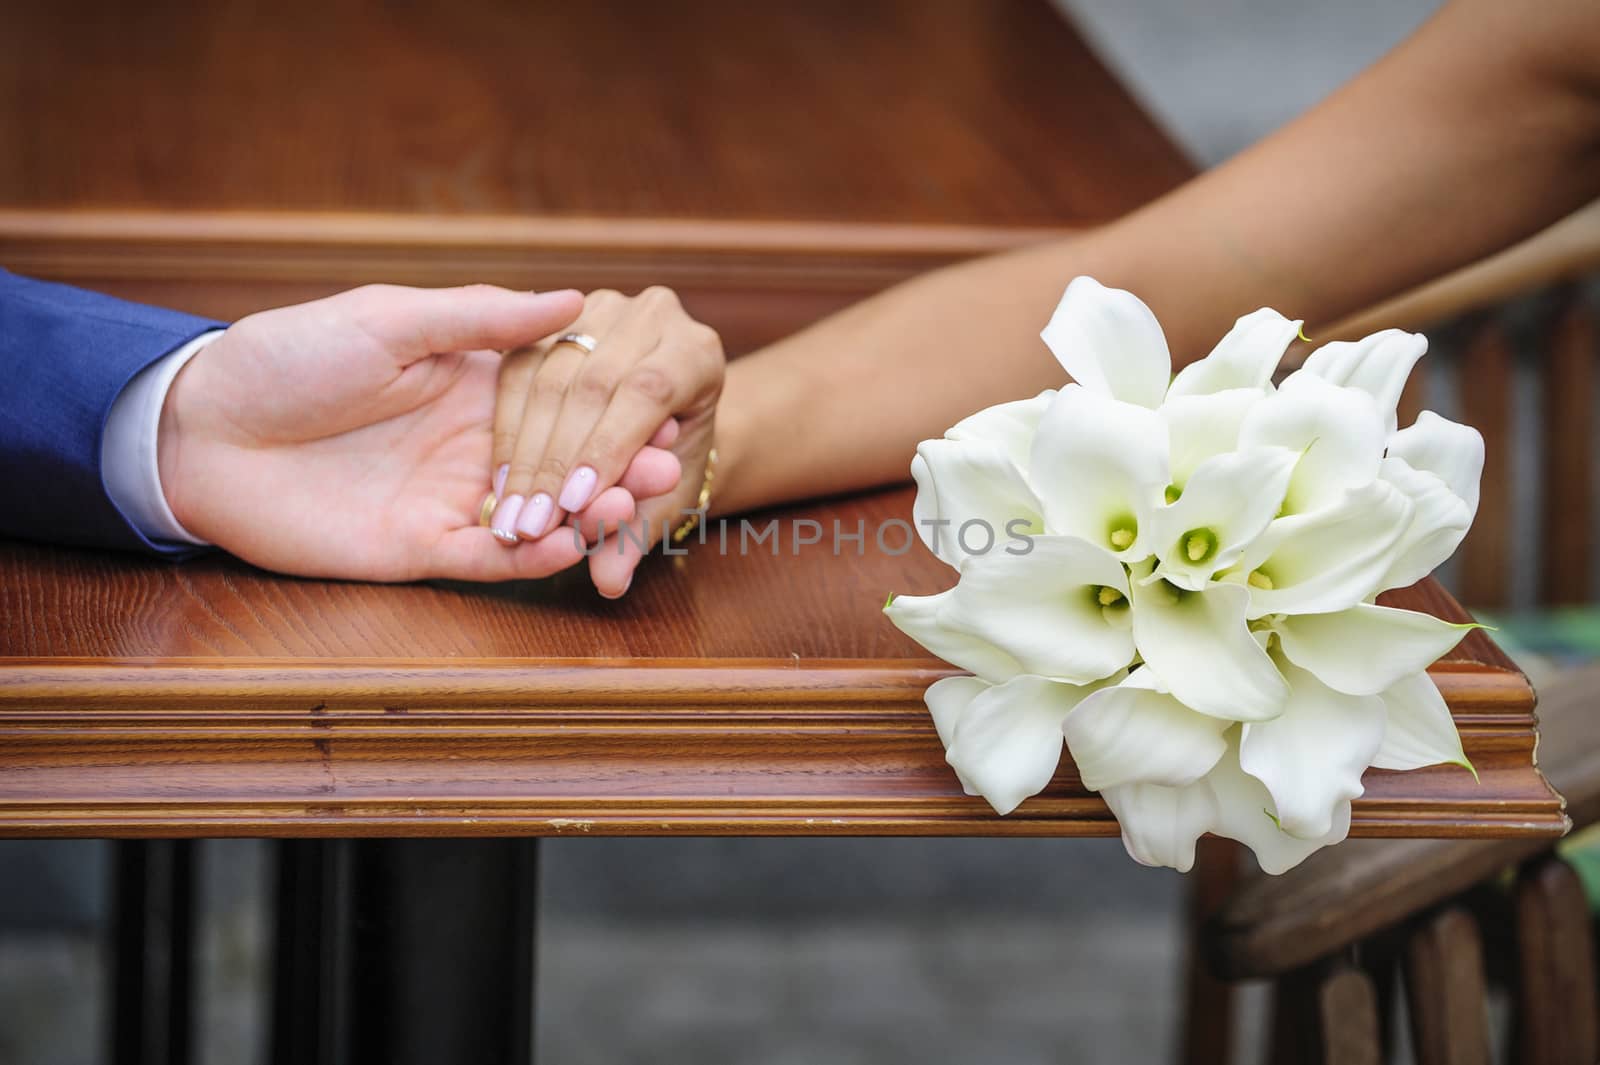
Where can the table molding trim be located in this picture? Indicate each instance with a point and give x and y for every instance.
(355, 247)
(353, 747)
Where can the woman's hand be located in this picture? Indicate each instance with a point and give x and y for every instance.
(569, 422)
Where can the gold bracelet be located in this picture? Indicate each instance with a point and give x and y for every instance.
(681, 533)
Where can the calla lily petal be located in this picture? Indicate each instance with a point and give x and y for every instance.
(1099, 467)
(1440, 520)
(1449, 450)
(1008, 741)
(948, 700)
(1363, 650)
(1245, 813)
(1338, 429)
(1245, 358)
(1226, 504)
(1110, 343)
(1420, 730)
(1378, 364)
(1201, 426)
(1160, 825)
(1047, 609)
(1198, 645)
(1129, 734)
(920, 617)
(967, 480)
(1311, 756)
(1328, 560)
(1010, 425)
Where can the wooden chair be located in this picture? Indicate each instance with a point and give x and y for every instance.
(1334, 933)
(1511, 339)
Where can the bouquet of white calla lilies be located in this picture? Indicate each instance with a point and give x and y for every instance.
(1176, 577)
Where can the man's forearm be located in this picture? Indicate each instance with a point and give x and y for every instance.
(1478, 131)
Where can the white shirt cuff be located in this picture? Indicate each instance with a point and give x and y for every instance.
(128, 459)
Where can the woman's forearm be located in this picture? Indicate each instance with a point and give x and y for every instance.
(1481, 129)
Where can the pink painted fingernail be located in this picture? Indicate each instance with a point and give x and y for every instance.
(503, 523)
(579, 487)
(535, 516)
(500, 478)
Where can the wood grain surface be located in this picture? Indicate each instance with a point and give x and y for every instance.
(727, 694)
(773, 161)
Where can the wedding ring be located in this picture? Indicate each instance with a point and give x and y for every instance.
(578, 340)
(486, 509)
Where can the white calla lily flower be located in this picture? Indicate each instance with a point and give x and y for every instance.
(1200, 648)
(1244, 358)
(1378, 364)
(1058, 611)
(1099, 468)
(1005, 740)
(1418, 730)
(1160, 824)
(1202, 426)
(1010, 425)
(1437, 463)
(1367, 648)
(1311, 756)
(1133, 733)
(922, 617)
(971, 480)
(1449, 450)
(1328, 560)
(1337, 430)
(1244, 813)
(1108, 341)
(1440, 520)
(1225, 506)
(1222, 539)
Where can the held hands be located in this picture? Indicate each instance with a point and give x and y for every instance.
(350, 437)
(568, 422)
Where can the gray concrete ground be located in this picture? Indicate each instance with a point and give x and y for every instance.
(829, 951)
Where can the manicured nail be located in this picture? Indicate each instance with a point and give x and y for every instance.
(625, 586)
(500, 476)
(535, 516)
(504, 521)
(579, 487)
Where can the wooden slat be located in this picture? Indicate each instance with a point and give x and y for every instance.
(1567, 540)
(1486, 388)
(1446, 992)
(1325, 1014)
(1208, 1001)
(1347, 1005)
(1557, 1001)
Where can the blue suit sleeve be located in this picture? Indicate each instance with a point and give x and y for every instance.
(65, 355)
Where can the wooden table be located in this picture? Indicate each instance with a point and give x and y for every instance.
(772, 161)
(728, 693)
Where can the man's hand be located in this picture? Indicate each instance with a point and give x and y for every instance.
(350, 437)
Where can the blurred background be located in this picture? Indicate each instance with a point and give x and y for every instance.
(837, 951)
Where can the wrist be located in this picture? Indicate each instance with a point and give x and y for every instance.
(171, 448)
